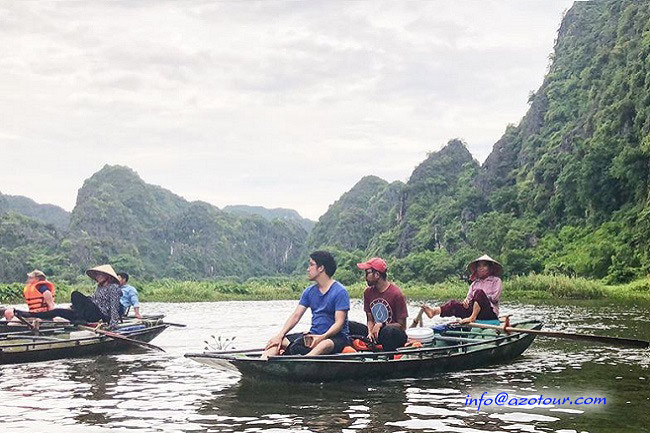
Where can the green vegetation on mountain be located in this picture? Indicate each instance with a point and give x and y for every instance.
(563, 192)
(45, 213)
(148, 231)
(352, 220)
(272, 214)
(26, 244)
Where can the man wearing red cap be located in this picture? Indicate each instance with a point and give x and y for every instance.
(385, 306)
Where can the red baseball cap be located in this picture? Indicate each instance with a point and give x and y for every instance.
(376, 263)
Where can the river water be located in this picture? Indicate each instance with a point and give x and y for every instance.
(165, 392)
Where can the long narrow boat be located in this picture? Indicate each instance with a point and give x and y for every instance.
(17, 326)
(451, 350)
(19, 344)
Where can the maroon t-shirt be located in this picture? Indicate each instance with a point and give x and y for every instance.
(389, 306)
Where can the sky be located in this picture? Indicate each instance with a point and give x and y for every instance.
(274, 103)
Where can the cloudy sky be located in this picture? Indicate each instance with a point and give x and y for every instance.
(274, 103)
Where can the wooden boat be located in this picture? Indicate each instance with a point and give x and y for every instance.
(20, 344)
(15, 325)
(451, 350)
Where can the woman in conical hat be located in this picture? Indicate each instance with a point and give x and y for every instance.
(482, 300)
(103, 305)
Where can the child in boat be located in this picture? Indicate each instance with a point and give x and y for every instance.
(482, 300)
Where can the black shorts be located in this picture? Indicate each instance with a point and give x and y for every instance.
(297, 344)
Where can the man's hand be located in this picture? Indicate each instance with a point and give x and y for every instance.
(466, 303)
(274, 342)
(374, 332)
(312, 340)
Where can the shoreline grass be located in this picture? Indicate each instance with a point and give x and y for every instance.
(534, 287)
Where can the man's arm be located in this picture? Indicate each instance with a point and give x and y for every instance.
(133, 299)
(400, 311)
(288, 326)
(401, 323)
(339, 321)
(370, 322)
(373, 327)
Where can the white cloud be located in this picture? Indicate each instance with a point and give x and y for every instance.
(269, 103)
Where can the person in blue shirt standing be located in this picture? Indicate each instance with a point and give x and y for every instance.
(129, 296)
(329, 302)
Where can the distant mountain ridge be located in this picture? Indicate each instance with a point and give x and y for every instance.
(45, 213)
(271, 214)
(164, 233)
(148, 231)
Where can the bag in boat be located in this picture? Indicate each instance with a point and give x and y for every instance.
(297, 347)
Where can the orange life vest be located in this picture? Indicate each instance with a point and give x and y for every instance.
(35, 299)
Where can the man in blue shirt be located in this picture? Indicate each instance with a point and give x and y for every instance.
(329, 302)
(129, 296)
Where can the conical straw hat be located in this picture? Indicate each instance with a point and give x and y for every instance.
(497, 267)
(103, 269)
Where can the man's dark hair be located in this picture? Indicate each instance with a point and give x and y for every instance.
(123, 275)
(324, 258)
(383, 275)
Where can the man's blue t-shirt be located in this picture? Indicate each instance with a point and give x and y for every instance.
(129, 297)
(324, 306)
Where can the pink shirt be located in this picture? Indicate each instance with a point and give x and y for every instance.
(492, 288)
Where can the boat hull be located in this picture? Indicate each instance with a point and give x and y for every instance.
(45, 350)
(342, 367)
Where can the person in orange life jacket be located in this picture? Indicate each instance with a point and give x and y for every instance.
(102, 305)
(38, 292)
(385, 306)
(482, 300)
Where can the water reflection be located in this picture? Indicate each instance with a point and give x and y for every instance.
(314, 407)
(167, 393)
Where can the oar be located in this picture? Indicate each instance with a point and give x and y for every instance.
(180, 325)
(31, 326)
(617, 341)
(418, 318)
(122, 337)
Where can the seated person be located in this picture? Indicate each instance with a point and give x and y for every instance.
(482, 300)
(102, 305)
(329, 302)
(38, 292)
(129, 297)
(385, 306)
